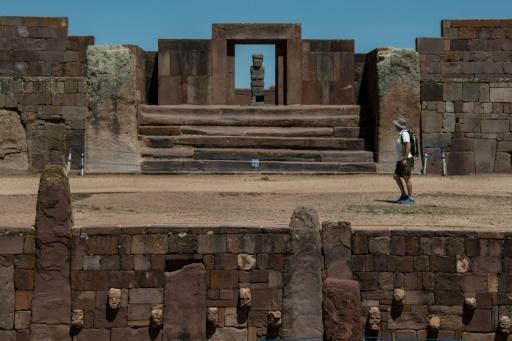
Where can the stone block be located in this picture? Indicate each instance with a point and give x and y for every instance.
(149, 244)
(431, 91)
(436, 140)
(124, 334)
(45, 332)
(495, 126)
(503, 163)
(182, 243)
(145, 296)
(211, 244)
(400, 263)
(94, 334)
(7, 297)
(185, 292)
(267, 299)
(11, 245)
(225, 262)
(460, 163)
(449, 122)
(379, 245)
(471, 92)
(342, 310)
(452, 92)
(229, 334)
(486, 264)
(485, 154)
(481, 322)
(472, 123)
(102, 245)
(448, 282)
(22, 319)
(501, 95)
(430, 46)
(223, 279)
(23, 279)
(431, 122)
(484, 93)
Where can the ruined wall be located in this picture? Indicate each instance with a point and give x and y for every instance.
(17, 264)
(328, 72)
(467, 95)
(43, 93)
(184, 71)
(438, 270)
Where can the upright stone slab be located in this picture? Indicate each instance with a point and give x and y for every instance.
(396, 93)
(342, 310)
(13, 144)
(115, 89)
(185, 304)
(337, 249)
(7, 294)
(51, 303)
(302, 291)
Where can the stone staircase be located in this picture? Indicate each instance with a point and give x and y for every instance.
(225, 139)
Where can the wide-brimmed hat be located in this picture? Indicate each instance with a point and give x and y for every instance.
(400, 122)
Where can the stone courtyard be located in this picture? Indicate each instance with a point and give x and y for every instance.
(144, 196)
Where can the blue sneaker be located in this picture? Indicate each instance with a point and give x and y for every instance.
(402, 197)
(407, 201)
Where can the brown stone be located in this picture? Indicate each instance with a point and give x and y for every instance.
(52, 292)
(7, 296)
(23, 300)
(185, 292)
(124, 334)
(341, 310)
(149, 244)
(336, 242)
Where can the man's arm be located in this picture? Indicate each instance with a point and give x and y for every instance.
(406, 148)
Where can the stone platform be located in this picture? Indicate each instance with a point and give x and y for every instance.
(225, 139)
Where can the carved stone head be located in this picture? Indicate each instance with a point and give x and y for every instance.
(114, 299)
(399, 296)
(274, 319)
(470, 303)
(212, 316)
(434, 323)
(505, 325)
(157, 316)
(374, 319)
(77, 319)
(257, 61)
(245, 298)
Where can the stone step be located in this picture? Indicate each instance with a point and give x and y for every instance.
(333, 143)
(255, 120)
(230, 166)
(249, 131)
(249, 110)
(261, 154)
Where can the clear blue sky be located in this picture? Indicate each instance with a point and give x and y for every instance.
(372, 23)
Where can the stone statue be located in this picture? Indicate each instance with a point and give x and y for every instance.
(373, 322)
(77, 319)
(213, 316)
(399, 296)
(470, 303)
(257, 79)
(274, 319)
(245, 298)
(114, 299)
(505, 325)
(434, 323)
(157, 316)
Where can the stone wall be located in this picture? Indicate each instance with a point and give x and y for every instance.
(17, 265)
(438, 270)
(43, 96)
(466, 82)
(184, 71)
(328, 72)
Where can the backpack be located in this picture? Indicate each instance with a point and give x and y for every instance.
(415, 150)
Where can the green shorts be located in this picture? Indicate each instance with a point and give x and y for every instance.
(404, 171)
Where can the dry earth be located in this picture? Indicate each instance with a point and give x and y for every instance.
(364, 200)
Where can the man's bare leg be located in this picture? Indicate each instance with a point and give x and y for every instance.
(408, 183)
(400, 184)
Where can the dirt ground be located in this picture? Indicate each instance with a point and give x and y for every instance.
(364, 200)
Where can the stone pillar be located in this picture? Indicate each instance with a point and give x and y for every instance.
(116, 87)
(337, 249)
(395, 92)
(185, 303)
(51, 303)
(302, 291)
(342, 310)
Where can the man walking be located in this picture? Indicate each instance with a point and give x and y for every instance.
(405, 162)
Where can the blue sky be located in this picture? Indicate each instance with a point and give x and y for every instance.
(372, 23)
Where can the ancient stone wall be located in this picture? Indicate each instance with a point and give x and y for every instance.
(438, 270)
(466, 96)
(328, 72)
(184, 72)
(43, 94)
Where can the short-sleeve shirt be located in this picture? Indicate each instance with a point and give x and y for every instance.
(404, 137)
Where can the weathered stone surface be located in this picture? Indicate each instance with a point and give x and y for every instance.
(13, 144)
(246, 262)
(229, 334)
(185, 303)
(398, 86)
(6, 295)
(302, 292)
(52, 292)
(336, 243)
(46, 332)
(111, 124)
(342, 310)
